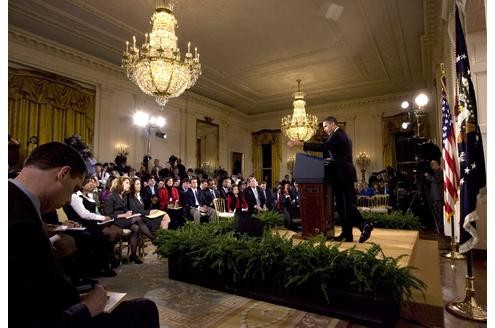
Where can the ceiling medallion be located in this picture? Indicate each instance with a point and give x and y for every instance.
(157, 68)
(299, 126)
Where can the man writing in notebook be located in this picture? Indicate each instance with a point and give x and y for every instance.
(39, 293)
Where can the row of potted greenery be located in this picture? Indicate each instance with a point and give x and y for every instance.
(216, 256)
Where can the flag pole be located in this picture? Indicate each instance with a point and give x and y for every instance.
(453, 254)
(472, 172)
(468, 308)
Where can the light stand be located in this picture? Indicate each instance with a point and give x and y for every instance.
(144, 120)
(421, 101)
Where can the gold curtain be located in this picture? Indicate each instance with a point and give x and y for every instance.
(391, 125)
(48, 106)
(264, 137)
(276, 159)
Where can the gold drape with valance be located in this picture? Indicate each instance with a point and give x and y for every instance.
(392, 125)
(48, 106)
(262, 138)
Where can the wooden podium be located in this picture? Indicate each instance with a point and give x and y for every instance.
(315, 196)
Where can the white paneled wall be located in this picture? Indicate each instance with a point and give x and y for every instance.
(117, 99)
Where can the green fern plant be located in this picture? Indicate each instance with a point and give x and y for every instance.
(270, 218)
(273, 260)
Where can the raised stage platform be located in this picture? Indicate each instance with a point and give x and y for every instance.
(393, 242)
(421, 254)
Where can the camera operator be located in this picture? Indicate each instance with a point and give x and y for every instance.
(435, 180)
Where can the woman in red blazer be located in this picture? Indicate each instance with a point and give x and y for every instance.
(169, 195)
(236, 201)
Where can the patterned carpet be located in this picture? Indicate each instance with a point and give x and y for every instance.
(186, 305)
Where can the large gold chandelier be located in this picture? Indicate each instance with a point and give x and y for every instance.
(299, 126)
(157, 67)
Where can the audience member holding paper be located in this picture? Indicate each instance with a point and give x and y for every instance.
(154, 219)
(39, 295)
(83, 209)
(116, 207)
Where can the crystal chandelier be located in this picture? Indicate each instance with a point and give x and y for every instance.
(157, 67)
(299, 126)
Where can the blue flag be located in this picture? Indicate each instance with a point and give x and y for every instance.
(470, 147)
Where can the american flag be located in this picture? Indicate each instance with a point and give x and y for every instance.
(449, 162)
(470, 146)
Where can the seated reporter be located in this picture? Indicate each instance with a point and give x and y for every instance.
(136, 205)
(116, 207)
(72, 248)
(83, 208)
(196, 205)
(39, 295)
(254, 197)
(236, 201)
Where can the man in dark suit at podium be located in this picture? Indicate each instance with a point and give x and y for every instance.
(337, 149)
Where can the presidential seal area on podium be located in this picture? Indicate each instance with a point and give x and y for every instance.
(315, 196)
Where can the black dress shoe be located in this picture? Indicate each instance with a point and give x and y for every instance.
(135, 259)
(366, 232)
(343, 238)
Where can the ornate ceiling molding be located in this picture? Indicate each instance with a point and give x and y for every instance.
(33, 41)
(90, 9)
(350, 104)
(432, 38)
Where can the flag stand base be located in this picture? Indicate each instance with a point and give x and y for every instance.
(454, 254)
(468, 308)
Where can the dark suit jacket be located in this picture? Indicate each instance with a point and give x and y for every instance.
(270, 199)
(136, 206)
(39, 294)
(209, 196)
(251, 199)
(189, 200)
(114, 205)
(146, 195)
(223, 193)
(338, 146)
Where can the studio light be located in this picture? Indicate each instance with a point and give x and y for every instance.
(161, 135)
(406, 125)
(420, 101)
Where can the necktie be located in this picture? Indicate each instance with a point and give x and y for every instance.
(213, 194)
(255, 191)
(196, 197)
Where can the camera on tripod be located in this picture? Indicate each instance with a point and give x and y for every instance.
(424, 152)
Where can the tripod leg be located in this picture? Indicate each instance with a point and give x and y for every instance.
(435, 219)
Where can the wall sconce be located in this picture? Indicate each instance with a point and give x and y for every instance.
(122, 149)
(363, 160)
(290, 163)
(421, 101)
